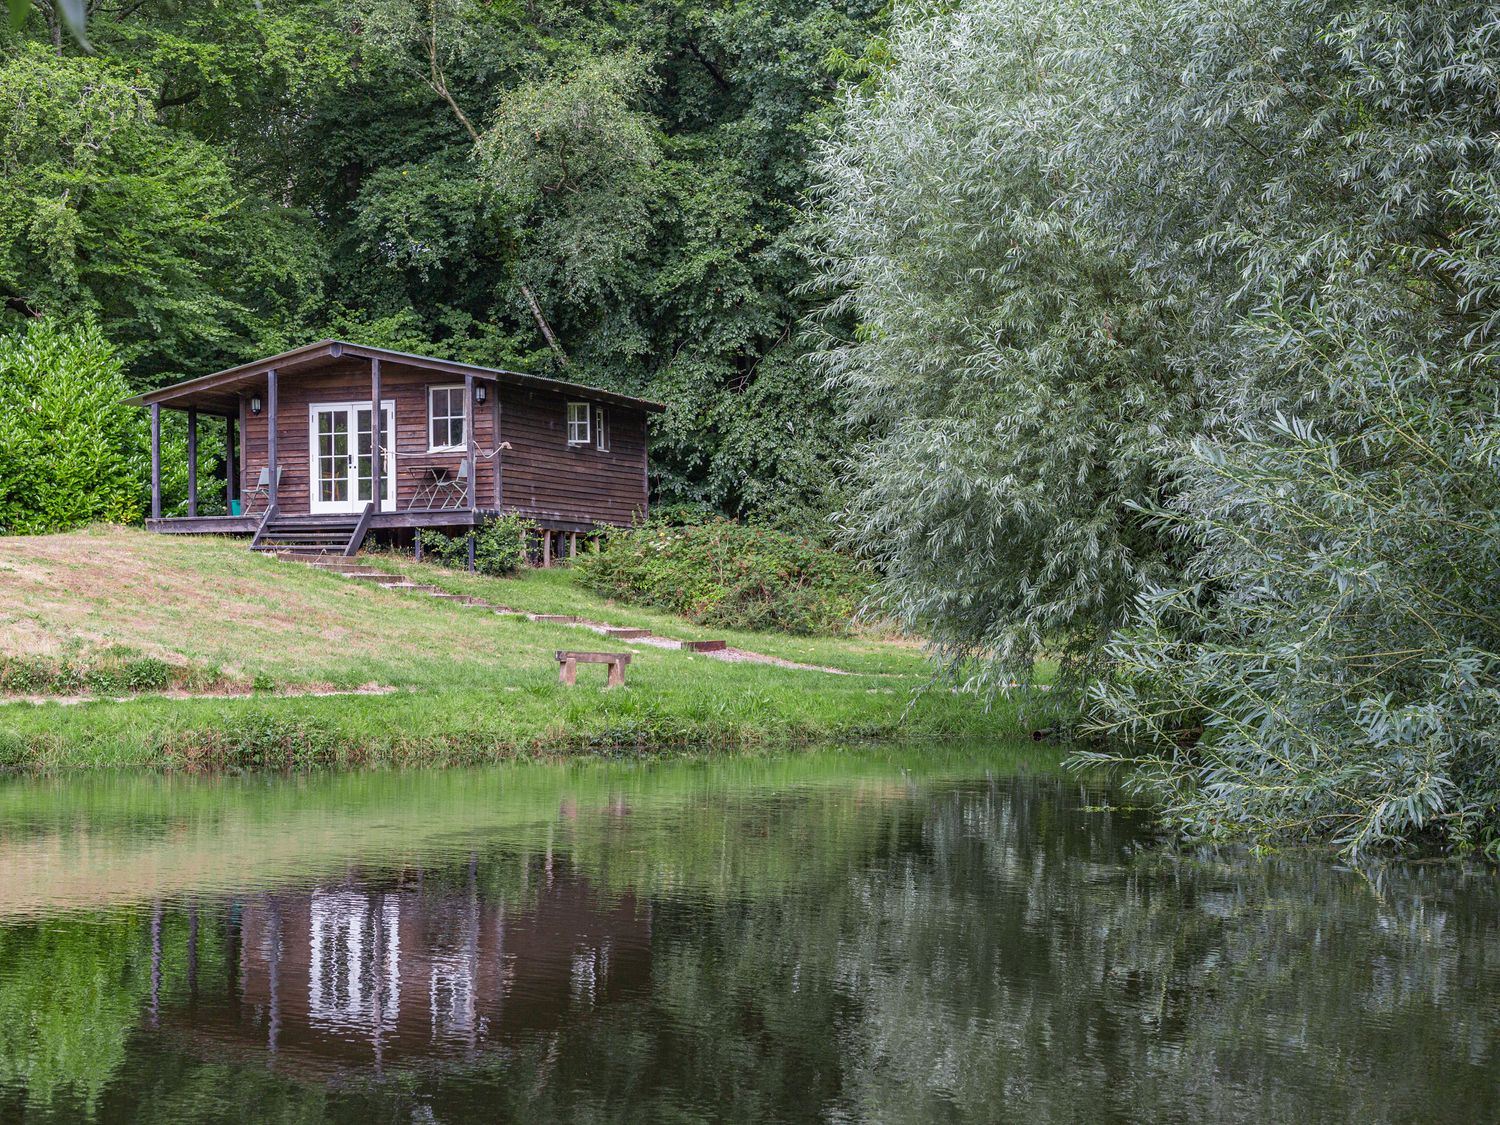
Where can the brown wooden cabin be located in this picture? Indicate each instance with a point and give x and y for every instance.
(310, 466)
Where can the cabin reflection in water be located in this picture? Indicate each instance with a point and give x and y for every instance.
(349, 978)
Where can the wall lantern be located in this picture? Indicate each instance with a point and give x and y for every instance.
(255, 404)
(481, 392)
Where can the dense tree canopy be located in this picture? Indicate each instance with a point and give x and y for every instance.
(606, 191)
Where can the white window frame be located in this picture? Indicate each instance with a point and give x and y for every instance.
(601, 430)
(461, 447)
(580, 430)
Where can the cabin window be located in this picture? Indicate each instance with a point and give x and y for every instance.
(578, 423)
(445, 419)
(601, 431)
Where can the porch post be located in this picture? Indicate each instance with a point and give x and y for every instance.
(156, 460)
(469, 433)
(192, 461)
(271, 431)
(377, 462)
(231, 472)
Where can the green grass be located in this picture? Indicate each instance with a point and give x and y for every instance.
(469, 686)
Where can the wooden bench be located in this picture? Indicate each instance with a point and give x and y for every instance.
(568, 662)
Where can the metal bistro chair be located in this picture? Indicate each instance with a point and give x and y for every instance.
(263, 489)
(441, 489)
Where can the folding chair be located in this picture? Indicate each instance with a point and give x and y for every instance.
(263, 489)
(453, 491)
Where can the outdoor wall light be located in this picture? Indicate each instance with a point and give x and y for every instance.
(481, 392)
(255, 404)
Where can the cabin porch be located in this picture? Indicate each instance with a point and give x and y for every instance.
(321, 446)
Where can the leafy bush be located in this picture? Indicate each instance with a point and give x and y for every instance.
(723, 573)
(70, 454)
(499, 546)
(112, 671)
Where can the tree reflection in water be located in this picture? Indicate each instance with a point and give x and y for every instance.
(973, 951)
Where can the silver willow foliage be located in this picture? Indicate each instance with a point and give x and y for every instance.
(1310, 186)
(1015, 378)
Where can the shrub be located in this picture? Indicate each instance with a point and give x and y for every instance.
(70, 453)
(723, 573)
(499, 546)
(112, 671)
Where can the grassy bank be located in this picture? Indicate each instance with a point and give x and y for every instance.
(456, 685)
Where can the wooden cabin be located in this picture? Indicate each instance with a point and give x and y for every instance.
(309, 465)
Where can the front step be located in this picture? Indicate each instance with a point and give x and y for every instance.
(308, 535)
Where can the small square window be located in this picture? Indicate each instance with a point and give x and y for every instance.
(578, 423)
(445, 414)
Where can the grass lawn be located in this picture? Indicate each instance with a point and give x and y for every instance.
(461, 685)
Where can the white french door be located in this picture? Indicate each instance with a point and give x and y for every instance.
(340, 442)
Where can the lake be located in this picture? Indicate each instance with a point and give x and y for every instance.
(890, 936)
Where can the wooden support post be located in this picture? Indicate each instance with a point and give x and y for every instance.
(192, 456)
(231, 468)
(567, 671)
(469, 435)
(377, 460)
(271, 435)
(572, 544)
(471, 552)
(156, 460)
(546, 547)
(416, 543)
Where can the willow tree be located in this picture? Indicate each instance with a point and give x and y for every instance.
(1017, 379)
(1321, 175)
(1177, 319)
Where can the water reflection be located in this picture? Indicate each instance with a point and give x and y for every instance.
(899, 938)
(404, 971)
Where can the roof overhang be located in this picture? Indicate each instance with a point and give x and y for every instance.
(221, 389)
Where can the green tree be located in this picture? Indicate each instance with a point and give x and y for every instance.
(1017, 382)
(1329, 663)
(114, 216)
(70, 454)
(1185, 312)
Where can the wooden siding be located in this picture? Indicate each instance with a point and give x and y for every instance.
(546, 478)
(539, 476)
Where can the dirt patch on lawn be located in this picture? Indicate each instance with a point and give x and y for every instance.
(232, 693)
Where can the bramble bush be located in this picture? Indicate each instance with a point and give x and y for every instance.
(499, 546)
(70, 453)
(719, 572)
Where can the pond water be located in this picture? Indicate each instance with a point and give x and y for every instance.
(841, 936)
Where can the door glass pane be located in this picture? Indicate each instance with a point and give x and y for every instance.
(333, 456)
(364, 443)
